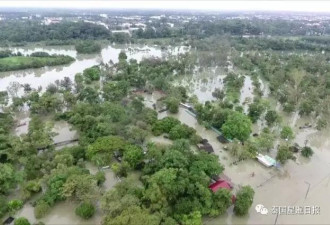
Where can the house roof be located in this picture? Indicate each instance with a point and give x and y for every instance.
(219, 184)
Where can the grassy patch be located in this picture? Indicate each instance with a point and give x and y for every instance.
(26, 62)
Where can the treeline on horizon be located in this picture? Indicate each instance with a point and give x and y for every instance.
(33, 31)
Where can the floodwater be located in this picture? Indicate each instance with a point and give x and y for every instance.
(286, 186)
(63, 130)
(44, 76)
(246, 93)
(64, 212)
(303, 182)
(203, 83)
(110, 178)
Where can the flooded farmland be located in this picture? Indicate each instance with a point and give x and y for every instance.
(308, 179)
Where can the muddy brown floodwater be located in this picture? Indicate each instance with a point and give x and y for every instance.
(203, 83)
(44, 76)
(286, 186)
(63, 212)
(304, 182)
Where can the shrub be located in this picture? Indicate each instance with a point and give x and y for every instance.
(244, 200)
(15, 205)
(41, 209)
(172, 104)
(283, 154)
(85, 210)
(100, 177)
(88, 47)
(92, 74)
(307, 152)
(21, 221)
(287, 133)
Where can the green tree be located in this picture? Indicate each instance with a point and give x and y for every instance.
(81, 187)
(15, 205)
(85, 210)
(133, 215)
(101, 151)
(272, 117)
(283, 154)
(265, 141)
(92, 74)
(8, 177)
(3, 206)
(307, 152)
(21, 221)
(244, 200)
(122, 55)
(221, 201)
(237, 126)
(88, 47)
(133, 155)
(172, 104)
(41, 209)
(255, 111)
(194, 218)
(181, 131)
(164, 125)
(287, 133)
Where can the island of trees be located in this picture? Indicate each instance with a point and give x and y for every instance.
(16, 61)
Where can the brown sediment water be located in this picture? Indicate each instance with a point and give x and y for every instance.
(285, 186)
(44, 76)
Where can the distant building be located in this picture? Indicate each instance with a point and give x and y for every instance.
(49, 21)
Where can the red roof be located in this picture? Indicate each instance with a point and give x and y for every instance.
(220, 184)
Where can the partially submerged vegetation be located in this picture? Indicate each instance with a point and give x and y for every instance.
(10, 62)
(88, 47)
(157, 184)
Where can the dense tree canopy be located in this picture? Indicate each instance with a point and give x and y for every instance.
(237, 126)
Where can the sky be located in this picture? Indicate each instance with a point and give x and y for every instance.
(239, 5)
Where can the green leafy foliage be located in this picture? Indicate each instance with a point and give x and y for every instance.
(283, 154)
(307, 152)
(92, 74)
(287, 133)
(26, 62)
(88, 47)
(15, 205)
(102, 150)
(244, 200)
(21, 221)
(85, 210)
(237, 126)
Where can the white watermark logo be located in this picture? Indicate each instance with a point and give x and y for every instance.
(261, 209)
